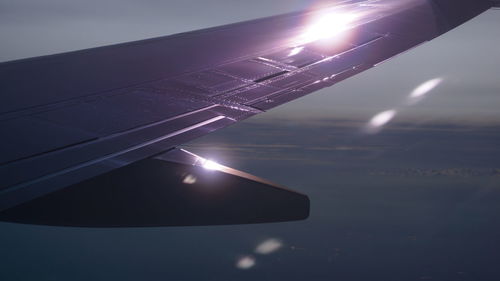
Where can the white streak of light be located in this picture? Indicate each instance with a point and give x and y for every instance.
(295, 51)
(425, 88)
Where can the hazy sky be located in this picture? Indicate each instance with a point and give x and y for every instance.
(30, 28)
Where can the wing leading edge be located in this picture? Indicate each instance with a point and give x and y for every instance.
(68, 118)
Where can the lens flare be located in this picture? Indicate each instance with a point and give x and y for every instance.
(189, 179)
(268, 246)
(425, 88)
(382, 118)
(245, 262)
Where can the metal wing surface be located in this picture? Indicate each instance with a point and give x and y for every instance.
(71, 120)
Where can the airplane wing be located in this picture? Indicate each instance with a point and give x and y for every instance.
(89, 137)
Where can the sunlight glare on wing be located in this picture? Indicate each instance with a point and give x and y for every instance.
(211, 165)
(295, 51)
(328, 26)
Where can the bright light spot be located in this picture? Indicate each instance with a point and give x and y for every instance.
(245, 262)
(210, 165)
(268, 246)
(189, 179)
(425, 88)
(328, 26)
(295, 51)
(382, 118)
